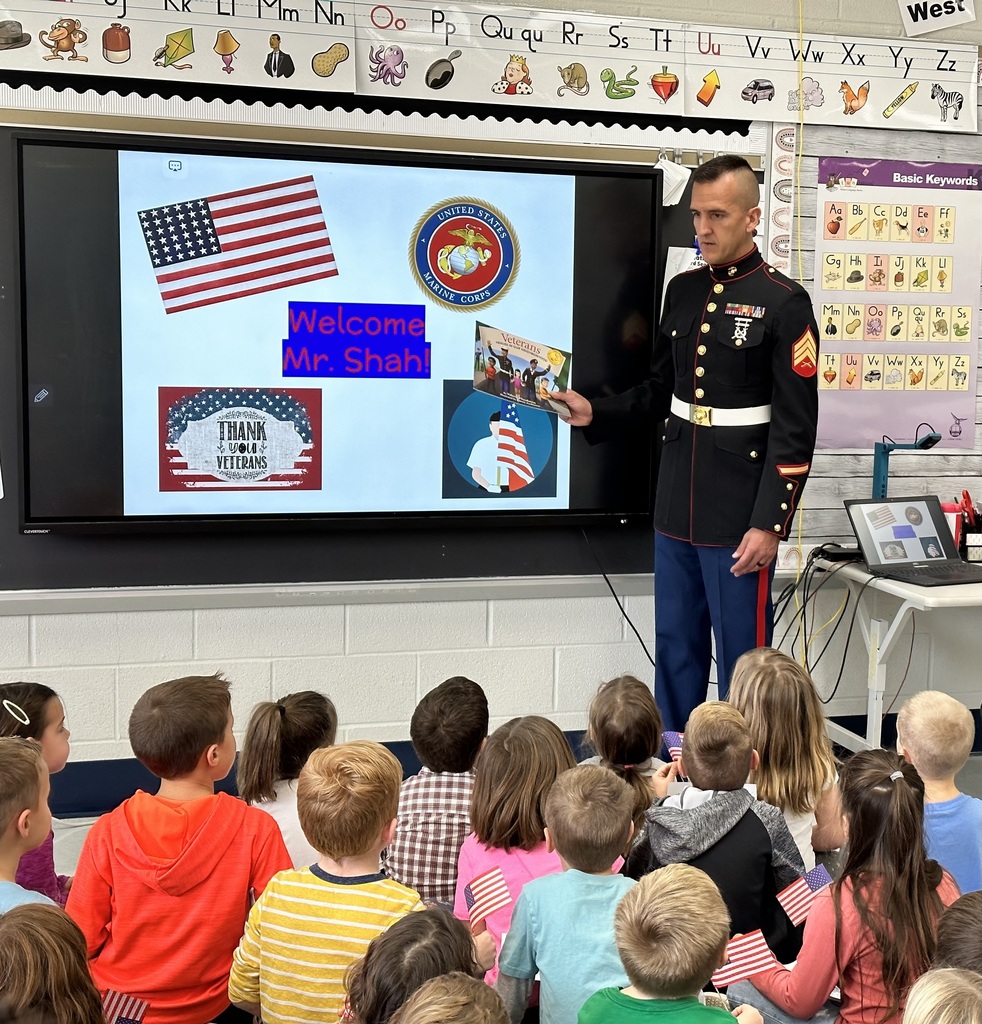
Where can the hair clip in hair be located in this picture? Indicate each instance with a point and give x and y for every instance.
(282, 709)
(16, 711)
(626, 767)
(896, 775)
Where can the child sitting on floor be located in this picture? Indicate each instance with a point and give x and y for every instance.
(25, 821)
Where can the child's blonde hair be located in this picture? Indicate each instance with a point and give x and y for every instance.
(21, 770)
(514, 771)
(945, 996)
(671, 930)
(453, 999)
(716, 747)
(625, 729)
(346, 795)
(778, 699)
(937, 732)
(44, 970)
(588, 814)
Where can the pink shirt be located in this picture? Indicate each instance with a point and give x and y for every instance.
(803, 990)
(517, 866)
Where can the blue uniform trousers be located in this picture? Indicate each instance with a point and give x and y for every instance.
(696, 593)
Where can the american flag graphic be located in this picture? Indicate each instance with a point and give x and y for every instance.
(673, 743)
(746, 956)
(799, 896)
(119, 1008)
(238, 243)
(485, 894)
(880, 517)
(511, 448)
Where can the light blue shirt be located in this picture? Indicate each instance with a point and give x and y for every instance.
(13, 895)
(563, 929)
(953, 836)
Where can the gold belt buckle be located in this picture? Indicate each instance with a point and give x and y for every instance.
(702, 415)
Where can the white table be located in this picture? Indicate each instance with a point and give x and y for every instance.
(880, 634)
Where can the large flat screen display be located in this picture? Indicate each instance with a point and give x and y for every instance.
(232, 334)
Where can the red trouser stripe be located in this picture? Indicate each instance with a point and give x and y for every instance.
(763, 583)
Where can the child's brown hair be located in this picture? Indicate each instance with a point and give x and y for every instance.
(21, 770)
(625, 728)
(588, 813)
(20, 701)
(519, 763)
(175, 722)
(449, 725)
(716, 748)
(44, 970)
(346, 795)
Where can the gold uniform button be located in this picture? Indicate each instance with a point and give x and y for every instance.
(777, 527)
(701, 350)
(753, 455)
(700, 393)
(674, 333)
(784, 504)
(790, 487)
(700, 370)
(704, 328)
(738, 343)
(717, 288)
(711, 307)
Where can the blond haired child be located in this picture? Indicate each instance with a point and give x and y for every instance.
(25, 820)
(35, 712)
(671, 932)
(519, 763)
(945, 996)
(163, 883)
(563, 927)
(310, 924)
(935, 733)
(452, 999)
(797, 769)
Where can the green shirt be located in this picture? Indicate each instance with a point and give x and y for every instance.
(611, 1006)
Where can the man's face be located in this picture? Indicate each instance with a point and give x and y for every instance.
(274, 43)
(724, 217)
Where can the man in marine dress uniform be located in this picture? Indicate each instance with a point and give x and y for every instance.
(734, 378)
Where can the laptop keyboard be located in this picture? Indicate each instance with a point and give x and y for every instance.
(937, 571)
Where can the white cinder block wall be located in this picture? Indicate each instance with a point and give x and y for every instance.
(541, 656)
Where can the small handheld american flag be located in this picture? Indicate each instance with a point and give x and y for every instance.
(119, 1008)
(799, 896)
(673, 741)
(746, 956)
(485, 894)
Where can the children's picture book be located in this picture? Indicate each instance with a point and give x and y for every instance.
(521, 371)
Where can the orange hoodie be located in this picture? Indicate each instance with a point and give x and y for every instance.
(162, 893)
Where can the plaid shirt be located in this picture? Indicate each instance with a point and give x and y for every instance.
(433, 821)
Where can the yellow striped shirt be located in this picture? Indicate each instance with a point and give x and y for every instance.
(302, 934)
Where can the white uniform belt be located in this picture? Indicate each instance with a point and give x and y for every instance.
(705, 416)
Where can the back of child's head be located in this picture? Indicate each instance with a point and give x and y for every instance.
(936, 732)
(174, 723)
(279, 739)
(416, 948)
(519, 763)
(23, 709)
(894, 885)
(449, 725)
(346, 795)
(717, 748)
(624, 729)
(945, 996)
(453, 999)
(671, 930)
(44, 970)
(960, 934)
(778, 699)
(22, 770)
(589, 812)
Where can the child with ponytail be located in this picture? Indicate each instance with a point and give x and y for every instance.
(278, 741)
(873, 931)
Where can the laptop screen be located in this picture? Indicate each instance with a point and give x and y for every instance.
(901, 531)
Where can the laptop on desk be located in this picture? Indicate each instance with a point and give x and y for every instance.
(908, 539)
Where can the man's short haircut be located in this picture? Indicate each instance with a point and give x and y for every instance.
(449, 725)
(960, 934)
(588, 813)
(937, 732)
(346, 795)
(729, 163)
(716, 747)
(452, 999)
(671, 930)
(21, 771)
(174, 723)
